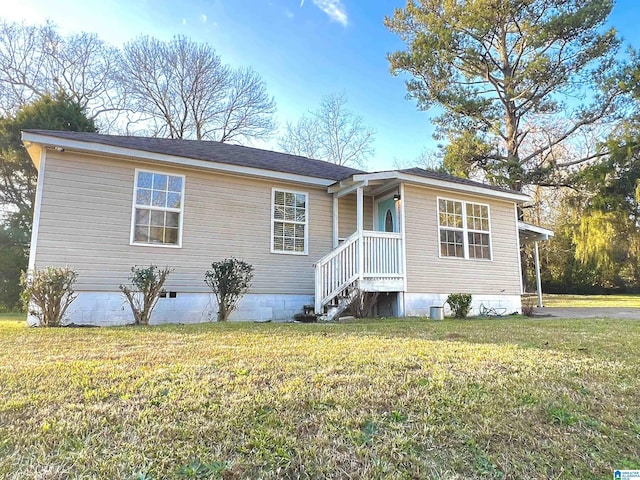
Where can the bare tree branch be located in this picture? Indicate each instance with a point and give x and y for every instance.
(187, 92)
(331, 133)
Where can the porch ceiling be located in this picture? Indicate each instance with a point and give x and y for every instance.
(532, 233)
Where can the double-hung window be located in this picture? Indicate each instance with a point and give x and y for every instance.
(289, 222)
(464, 229)
(158, 203)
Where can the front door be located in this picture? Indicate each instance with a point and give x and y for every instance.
(387, 216)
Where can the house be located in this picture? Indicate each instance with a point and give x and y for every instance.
(312, 230)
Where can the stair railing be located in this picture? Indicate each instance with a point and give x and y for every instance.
(336, 271)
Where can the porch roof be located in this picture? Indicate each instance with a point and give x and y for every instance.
(418, 176)
(533, 233)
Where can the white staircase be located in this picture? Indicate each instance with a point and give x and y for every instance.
(370, 261)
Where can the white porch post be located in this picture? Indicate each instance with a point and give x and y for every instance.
(536, 257)
(336, 222)
(360, 222)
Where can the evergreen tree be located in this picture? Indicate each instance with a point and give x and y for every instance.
(507, 75)
(18, 179)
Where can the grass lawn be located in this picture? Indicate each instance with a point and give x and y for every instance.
(624, 300)
(506, 398)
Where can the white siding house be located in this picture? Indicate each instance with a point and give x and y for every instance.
(313, 231)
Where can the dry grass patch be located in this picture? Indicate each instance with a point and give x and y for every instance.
(507, 398)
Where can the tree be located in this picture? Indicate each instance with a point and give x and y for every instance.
(183, 90)
(18, 176)
(331, 133)
(13, 261)
(18, 179)
(596, 246)
(36, 61)
(500, 69)
(609, 231)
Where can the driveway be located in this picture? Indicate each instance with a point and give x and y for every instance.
(589, 312)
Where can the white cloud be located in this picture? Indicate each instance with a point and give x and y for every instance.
(184, 21)
(288, 13)
(203, 18)
(334, 9)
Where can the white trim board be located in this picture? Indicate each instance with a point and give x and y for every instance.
(36, 211)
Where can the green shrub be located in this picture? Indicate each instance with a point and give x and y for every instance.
(460, 304)
(146, 285)
(48, 293)
(229, 280)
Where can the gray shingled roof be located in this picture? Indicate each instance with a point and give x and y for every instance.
(421, 172)
(244, 156)
(215, 152)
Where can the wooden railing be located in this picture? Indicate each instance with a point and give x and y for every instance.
(382, 254)
(376, 255)
(336, 271)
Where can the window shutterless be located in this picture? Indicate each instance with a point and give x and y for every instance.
(464, 230)
(289, 222)
(158, 207)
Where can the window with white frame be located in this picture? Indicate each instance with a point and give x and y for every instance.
(464, 229)
(289, 221)
(157, 209)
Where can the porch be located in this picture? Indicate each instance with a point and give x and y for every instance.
(371, 260)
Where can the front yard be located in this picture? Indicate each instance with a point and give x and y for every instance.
(494, 398)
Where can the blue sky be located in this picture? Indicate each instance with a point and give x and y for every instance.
(302, 49)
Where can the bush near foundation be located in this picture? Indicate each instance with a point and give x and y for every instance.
(460, 304)
(47, 294)
(229, 280)
(143, 292)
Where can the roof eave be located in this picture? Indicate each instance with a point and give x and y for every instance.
(49, 141)
(432, 182)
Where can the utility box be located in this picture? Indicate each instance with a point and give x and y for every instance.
(436, 312)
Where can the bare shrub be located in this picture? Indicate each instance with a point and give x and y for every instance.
(362, 302)
(144, 291)
(528, 307)
(48, 293)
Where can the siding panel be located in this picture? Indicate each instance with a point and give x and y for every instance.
(428, 273)
(86, 220)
